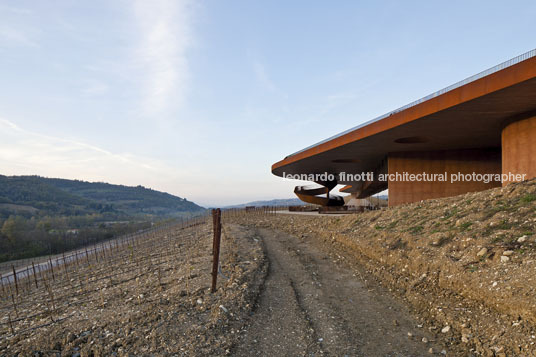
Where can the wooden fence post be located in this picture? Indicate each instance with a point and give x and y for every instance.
(35, 274)
(15, 278)
(216, 220)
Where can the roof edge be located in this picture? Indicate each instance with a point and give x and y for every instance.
(506, 74)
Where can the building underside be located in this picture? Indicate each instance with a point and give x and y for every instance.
(484, 125)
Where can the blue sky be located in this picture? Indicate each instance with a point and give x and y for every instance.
(200, 98)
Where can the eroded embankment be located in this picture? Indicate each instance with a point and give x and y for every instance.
(466, 264)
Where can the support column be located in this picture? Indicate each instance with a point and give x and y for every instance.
(519, 148)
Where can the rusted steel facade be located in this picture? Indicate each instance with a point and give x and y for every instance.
(484, 124)
(519, 147)
(446, 163)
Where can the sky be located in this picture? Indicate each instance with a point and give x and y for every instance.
(200, 98)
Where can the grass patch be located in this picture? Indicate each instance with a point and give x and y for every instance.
(392, 225)
(499, 208)
(504, 225)
(501, 205)
(450, 213)
(416, 229)
(472, 268)
(530, 197)
(466, 226)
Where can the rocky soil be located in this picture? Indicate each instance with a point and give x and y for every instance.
(466, 265)
(149, 298)
(315, 304)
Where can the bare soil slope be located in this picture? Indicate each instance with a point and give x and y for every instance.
(148, 298)
(313, 303)
(466, 264)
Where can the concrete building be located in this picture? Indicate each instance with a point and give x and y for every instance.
(476, 134)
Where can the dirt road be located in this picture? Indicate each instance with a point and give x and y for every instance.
(314, 304)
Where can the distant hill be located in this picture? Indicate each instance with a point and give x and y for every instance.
(28, 195)
(41, 215)
(281, 202)
(275, 202)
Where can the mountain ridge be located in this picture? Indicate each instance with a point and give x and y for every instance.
(76, 197)
(40, 215)
(274, 202)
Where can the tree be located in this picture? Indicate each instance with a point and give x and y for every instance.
(12, 227)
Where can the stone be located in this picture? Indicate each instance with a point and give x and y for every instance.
(445, 329)
(482, 252)
(424, 340)
(504, 259)
(522, 239)
(508, 252)
(437, 239)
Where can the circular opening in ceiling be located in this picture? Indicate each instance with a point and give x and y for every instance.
(411, 140)
(346, 161)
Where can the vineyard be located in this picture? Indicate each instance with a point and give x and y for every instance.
(142, 293)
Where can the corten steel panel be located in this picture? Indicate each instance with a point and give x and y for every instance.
(519, 148)
(470, 116)
(480, 161)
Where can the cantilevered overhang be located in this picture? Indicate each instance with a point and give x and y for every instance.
(469, 114)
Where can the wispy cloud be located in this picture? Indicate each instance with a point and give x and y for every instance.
(15, 30)
(12, 36)
(95, 87)
(26, 152)
(15, 9)
(165, 36)
(262, 77)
